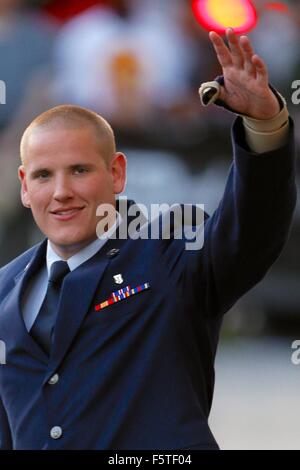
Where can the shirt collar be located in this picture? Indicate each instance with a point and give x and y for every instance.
(83, 255)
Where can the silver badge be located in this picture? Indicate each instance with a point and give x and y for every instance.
(118, 278)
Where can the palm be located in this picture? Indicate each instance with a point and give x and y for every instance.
(246, 87)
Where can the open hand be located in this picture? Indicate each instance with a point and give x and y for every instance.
(246, 87)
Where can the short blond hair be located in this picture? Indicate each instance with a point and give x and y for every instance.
(72, 116)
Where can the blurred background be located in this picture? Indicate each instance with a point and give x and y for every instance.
(139, 63)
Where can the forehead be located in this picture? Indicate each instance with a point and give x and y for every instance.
(60, 144)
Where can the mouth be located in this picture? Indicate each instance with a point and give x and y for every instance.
(66, 214)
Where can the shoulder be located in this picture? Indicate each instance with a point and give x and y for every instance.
(14, 267)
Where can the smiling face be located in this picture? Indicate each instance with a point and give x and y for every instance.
(64, 179)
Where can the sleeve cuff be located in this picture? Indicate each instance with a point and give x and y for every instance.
(267, 134)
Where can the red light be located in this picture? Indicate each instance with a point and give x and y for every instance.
(217, 15)
(277, 6)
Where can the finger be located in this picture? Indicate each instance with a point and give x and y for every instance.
(248, 54)
(222, 51)
(261, 70)
(237, 54)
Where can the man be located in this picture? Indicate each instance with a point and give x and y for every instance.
(134, 369)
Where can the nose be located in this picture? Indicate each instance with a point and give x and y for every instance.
(62, 188)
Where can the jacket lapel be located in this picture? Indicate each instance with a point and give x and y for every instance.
(12, 322)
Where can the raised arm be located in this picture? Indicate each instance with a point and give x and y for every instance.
(249, 228)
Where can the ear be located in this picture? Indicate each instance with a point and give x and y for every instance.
(118, 172)
(24, 191)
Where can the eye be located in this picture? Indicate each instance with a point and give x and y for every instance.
(42, 175)
(80, 170)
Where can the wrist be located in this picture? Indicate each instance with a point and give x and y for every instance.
(272, 124)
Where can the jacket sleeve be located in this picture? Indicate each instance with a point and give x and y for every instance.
(248, 230)
(5, 434)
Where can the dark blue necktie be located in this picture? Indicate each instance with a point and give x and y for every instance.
(43, 327)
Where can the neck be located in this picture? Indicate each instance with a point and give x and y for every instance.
(67, 251)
